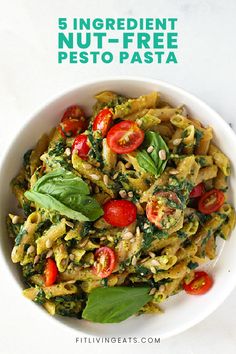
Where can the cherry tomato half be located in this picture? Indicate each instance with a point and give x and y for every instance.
(163, 209)
(197, 191)
(201, 283)
(119, 213)
(102, 121)
(81, 145)
(73, 112)
(125, 137)
(105, 262)
(211, 201)
(50, 272)
(72, 127)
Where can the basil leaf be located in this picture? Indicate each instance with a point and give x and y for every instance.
(112, 305)
(67, 194)
(146, 162)
(48, 202)
(84, 204)
(151, 162)
(61, 183)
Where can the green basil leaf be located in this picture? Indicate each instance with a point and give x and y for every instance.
(48, 202)
(112, 305)
(151, 162)
(146, 162)
(84, 204)
(66, 193)
(60, 184)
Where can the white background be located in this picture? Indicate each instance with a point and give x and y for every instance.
(30, 75)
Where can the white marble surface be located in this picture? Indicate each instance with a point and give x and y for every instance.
(30, 75)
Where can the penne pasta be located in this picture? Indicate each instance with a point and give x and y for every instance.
(50, 236)
(128, 201)
(220, 159)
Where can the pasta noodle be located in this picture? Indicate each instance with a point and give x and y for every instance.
(50, 236)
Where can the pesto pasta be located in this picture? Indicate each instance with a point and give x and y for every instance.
(119, 209)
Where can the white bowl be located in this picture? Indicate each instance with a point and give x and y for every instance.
(181, 311)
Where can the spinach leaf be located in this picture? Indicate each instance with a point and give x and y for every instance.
(198, 136)
(150, 231)
(42, 226)
(192, 265)
(67, 194)
(27, 208)
(40, 297)
(112, 305)
(96, 148)
(86, 227)
(141, 270)
(26, 158)
(30, 269)
(19, 236)
(57, 149)
(151, 162)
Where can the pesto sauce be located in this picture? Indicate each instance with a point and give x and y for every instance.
(150, 233)
(57, 149)
(117, 101)
(181, 187)
(111, 104)
(68, 309)
(87, 226)
(31, 269)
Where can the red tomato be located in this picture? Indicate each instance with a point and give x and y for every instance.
(197, 191)
(211, 201)
(105, 262)
(50, 272)
(201, 283)
(103, 121)
(72, 127)
(119, 213)
(163, 209)
(125, 137)
(73, 112)
(80, 144)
